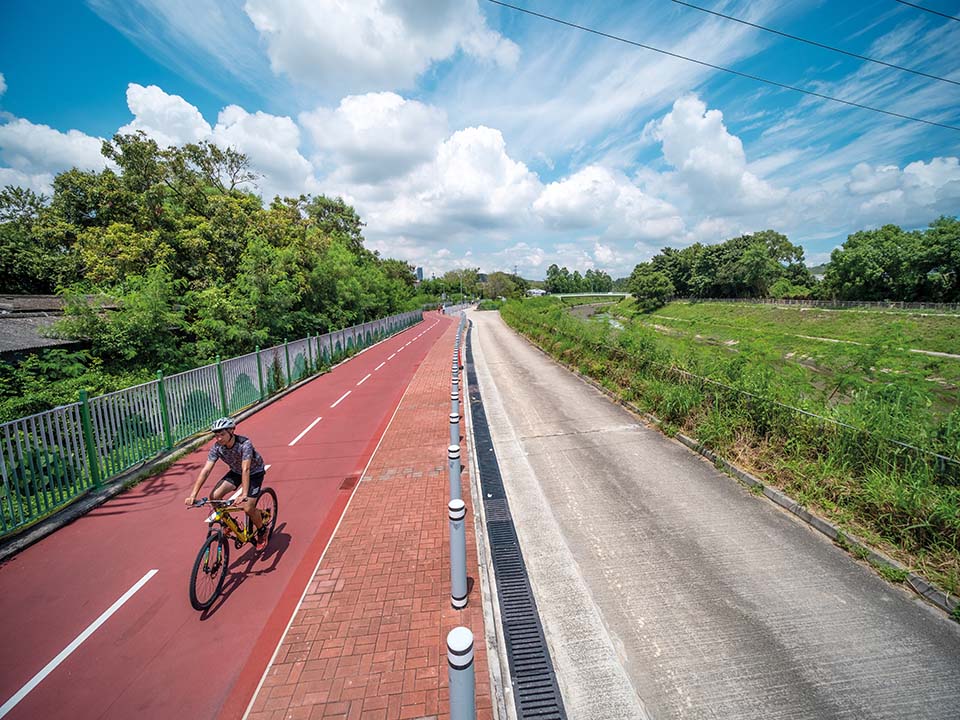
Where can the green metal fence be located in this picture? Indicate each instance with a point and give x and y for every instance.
(54, 457)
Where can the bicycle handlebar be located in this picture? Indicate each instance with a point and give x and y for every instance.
(210, 501)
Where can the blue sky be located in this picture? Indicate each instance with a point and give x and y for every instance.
(468, 134)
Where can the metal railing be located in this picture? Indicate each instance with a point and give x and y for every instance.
(51, 458)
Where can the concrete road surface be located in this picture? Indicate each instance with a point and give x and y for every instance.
(669, 591)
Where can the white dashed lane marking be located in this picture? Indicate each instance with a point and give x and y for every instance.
(306, 430)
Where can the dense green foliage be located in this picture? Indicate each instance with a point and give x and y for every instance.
(883, 264)
(560, 280)
(893, 264)
(852, 427)
(182, 264)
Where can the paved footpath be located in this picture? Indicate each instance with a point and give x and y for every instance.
(368, 641)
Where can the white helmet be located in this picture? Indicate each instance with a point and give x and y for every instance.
(223, 423)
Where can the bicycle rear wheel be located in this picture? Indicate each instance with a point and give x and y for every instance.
(267, 504)
(209, 571)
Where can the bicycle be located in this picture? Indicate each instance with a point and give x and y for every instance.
(210, 567)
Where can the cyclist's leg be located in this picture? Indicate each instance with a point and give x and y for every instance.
(250, 507)
(227, 485)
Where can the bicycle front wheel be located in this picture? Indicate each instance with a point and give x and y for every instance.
(209, 571)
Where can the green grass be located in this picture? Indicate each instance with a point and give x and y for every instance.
(850, 431)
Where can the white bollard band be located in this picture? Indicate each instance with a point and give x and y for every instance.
(460, 648)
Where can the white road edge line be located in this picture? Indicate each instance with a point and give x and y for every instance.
(308, 429)
(364, 380)
(342, 398)
(65, 653)
(380, 366)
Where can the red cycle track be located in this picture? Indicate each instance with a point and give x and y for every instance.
(156, 657)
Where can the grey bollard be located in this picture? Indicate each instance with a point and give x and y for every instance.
(453, 464)
(458, 553)
(455, 429)
(455, 402)
(463, 704)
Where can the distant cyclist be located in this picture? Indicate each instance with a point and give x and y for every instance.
(246, 472)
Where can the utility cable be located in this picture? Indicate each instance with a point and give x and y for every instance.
(723, 69)
(815, 43)
(935, 12)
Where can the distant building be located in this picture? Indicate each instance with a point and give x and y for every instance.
(536, 292)
(419, 272)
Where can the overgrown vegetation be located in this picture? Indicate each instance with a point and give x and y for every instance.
(858, 432)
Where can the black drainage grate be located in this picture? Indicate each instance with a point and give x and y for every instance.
(534, 681)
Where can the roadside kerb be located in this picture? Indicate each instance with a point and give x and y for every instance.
(497, 664)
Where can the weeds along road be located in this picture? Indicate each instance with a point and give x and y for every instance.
(154, 656)
(665, 582)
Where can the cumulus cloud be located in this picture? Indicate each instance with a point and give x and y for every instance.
(168, 119)
(909, 196)
(596, 197)
(39, 149)
(474, 180)
(470, 195)
(709, 160)
(373, 137)
(371, 44)
(38, 182)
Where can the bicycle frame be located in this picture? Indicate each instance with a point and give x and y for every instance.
(223, 510)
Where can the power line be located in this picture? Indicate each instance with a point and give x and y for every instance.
(935, 12)
(723, 69)
(815, 43)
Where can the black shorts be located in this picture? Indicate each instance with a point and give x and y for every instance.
(236, 480)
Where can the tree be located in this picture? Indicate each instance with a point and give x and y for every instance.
(651, 287)
(334, 217)
(876, 264)
(499, 284)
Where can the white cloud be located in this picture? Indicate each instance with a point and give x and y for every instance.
(909, 196)
(371, 44)
(39, 149)
(710, 161)
(474, 182)
(168, 119)
(3, 84)
(370, 138)
(39, 183)
(595, 197)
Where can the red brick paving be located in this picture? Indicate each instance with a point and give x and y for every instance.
(369, 640)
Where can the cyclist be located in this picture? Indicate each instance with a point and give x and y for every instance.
(246, 472)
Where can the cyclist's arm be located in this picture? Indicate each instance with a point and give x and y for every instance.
(201, 479)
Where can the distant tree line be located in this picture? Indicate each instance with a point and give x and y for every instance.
(561, 280)
(887, 263)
